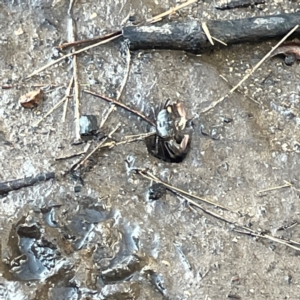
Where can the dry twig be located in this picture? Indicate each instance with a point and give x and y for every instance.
(88, 41)
(139, 114)
(76, 88)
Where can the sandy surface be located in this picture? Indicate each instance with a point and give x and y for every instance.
(108, 241)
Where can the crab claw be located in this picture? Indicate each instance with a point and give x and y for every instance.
(178, 149)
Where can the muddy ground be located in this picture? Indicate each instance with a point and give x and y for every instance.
(108, 241)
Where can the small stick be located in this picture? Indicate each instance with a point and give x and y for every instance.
(269, 237)
(87, 41)
(77, 102)
(170, 11)
(81, 162)
(70, 7)
(139, 114)
(144, 135)
(65, 110)
(114, 130)
(111, 109)
(76, 89)
(288, 184)
(72, 53)
(240, 91)
(150, 176)
(57, 105)
(133, 138)
(70, 156)
(251, 72)
(6, 87)
(13, 185)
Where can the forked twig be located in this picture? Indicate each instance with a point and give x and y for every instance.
(251, 72)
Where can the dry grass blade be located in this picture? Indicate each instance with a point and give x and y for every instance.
(251, 72)
(170, 11)
(219, 41)
(207, 33)
(288, 184)
(70, 54)
(68, 91)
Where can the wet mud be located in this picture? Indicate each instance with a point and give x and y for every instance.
(120, 236)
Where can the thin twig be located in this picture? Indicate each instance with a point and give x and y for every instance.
(251, 72)
(88, 41)
(288, 184)
(6, 87)
(139, 114)
(65, 110)
(149, 176)
(82, 161)
(70, 156)
(76, 89)
(240, 91)
(67, 95)
(131, 139)
(269, 237)
(72, 53)
(111, 109)
(71, 7)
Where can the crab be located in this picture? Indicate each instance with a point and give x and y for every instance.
(170, 143)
